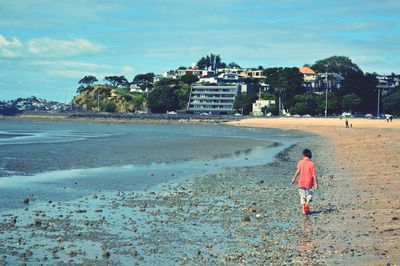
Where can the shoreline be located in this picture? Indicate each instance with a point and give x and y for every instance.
(363, 162)
(121, 118)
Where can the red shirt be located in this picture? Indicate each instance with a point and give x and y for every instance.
(307, 172)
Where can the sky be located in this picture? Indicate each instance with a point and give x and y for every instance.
(47, 46)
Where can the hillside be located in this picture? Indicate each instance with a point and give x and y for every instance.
(17, 106)
(105, 98)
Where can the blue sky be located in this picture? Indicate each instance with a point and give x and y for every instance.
(47, 46)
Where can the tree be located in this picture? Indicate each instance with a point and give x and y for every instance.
(116, 81)
(336, 64)
(285, 82)
(268, 96)
(306, 103)
(88, 80)
(148, 77)
(80, 89)
(244, 101)
(184, 94)
(202, 63)
(166, 96)
(161, 100)
(108, 107)
(391, 102)
(273, 109)
(233, 65)
(351, 102)
(189, 79)
(212, 60)
(364, 86)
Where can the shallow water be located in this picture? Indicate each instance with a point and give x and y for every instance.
(64, 161)
(146, 193)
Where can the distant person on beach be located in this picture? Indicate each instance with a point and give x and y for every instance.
(391, 118)
(347, 123)
(307, 181)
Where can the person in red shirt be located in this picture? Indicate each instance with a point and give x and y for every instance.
(307, 181)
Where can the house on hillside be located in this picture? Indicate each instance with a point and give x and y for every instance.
(230, 78)
(228, 70)
(195, 72)
(211, 78)
(309, 78)
(328, 81)
(255, 73)
(387, 83)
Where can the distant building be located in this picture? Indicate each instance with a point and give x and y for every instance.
(259, 105)
(169, 74)
(209, 79)
(230, 78)
(387, 83)
(195, 72)
(255, 73)
(217, 99)
(328, 81)
(135, 87)
(309, 78)
(228, 70)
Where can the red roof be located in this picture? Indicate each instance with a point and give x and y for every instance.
(306, 70)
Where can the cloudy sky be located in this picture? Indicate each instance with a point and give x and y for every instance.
(46, 46)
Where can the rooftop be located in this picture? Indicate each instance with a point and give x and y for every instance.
(306, 70)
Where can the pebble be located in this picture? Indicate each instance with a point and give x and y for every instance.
(25, 200)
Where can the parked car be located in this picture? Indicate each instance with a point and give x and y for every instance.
(306, 116)
(171, 113)
(369, 116)
(297, 116)
(346, 114)
(358, 114)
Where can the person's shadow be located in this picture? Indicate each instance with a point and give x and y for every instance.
(324, 211)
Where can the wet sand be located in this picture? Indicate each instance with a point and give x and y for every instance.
(363, 163)
(246, 215)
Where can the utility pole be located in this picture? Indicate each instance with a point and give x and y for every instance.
(98, 101)
(379, 96)
(326, 95)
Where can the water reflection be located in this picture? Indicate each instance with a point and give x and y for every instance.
(305, 244)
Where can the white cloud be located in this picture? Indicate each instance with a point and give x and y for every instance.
(10, 48)
(65, 64)
(51, 47)
(127, 71)
(72, 69)
(46, 47)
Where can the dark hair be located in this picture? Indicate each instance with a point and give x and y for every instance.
(307, 153)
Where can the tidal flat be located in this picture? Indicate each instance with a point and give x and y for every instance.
(244, 215)
(231, 207)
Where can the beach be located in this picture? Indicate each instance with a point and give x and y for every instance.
(363, 163)
(193, 194)
(219, 214)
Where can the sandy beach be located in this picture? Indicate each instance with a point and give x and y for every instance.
(364, 165)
